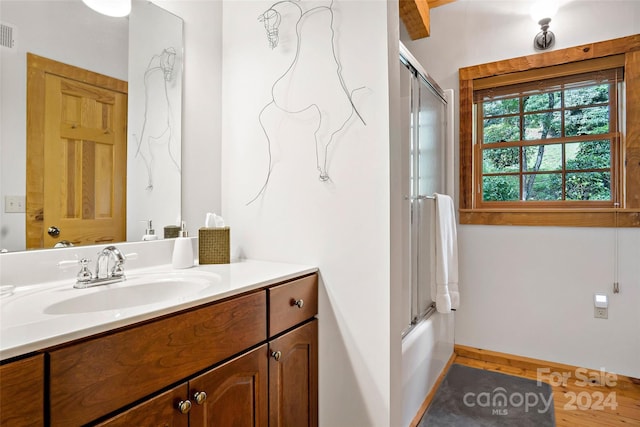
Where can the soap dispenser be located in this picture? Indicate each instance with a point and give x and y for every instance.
(149, 233)
(182, 249)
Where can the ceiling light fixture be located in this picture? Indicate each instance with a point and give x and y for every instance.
(115, 8)
(542, 11)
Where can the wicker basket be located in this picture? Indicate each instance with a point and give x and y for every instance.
(214, 245)
(171, 231)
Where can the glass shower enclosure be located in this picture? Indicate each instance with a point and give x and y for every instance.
(424, 124)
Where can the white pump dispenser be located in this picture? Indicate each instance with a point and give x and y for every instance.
(182, 250)
(149, 233)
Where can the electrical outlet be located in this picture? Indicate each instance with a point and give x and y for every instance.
(601, 313)
(14, 204)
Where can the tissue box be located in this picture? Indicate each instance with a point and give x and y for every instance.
(214, 245)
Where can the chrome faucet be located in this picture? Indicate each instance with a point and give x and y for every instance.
(109, 269)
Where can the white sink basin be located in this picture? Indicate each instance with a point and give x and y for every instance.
(48, 304)
(135, 292)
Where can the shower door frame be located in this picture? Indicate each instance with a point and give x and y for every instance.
(421, 304)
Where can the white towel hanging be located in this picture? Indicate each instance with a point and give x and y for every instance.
(444, 291)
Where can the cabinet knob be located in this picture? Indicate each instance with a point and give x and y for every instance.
(184, 406)
(276, 355)
(200, 397)
(299, 303)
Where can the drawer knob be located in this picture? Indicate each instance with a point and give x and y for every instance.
(184, 406)
(200, 397)
(299, 303)
(276, 355)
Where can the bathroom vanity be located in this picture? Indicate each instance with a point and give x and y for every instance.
(243, 352)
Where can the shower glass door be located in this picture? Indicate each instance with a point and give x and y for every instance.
(424, 124)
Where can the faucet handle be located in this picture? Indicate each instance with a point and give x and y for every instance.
(84, 275)
(67, 263)
(118, 268)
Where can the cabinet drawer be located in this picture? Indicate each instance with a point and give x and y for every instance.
(93, 378)
(292, 303)
(22, 392)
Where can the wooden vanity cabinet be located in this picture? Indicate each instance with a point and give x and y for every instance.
(91, 379)
(233, 394)
(293, 366)
(251, 360)
(22, 392)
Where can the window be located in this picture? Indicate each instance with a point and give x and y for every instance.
(553, 141)
(544, 140)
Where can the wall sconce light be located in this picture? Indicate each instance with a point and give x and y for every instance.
(541, 12)
(115, 8)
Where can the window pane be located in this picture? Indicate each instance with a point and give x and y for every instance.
(589, 186)
(589, 95)
(542, 158)
(500, 160)
(500, 188)
(542, 187)
(504, 129)
(501, 107)
(586, 121)
(542, 126)
(543, 101)
(589, 155)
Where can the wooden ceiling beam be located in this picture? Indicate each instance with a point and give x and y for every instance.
(436, 3)
(415, 15)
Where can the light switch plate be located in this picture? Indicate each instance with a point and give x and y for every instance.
(14, 204)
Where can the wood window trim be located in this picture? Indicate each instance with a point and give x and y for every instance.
(626, 216)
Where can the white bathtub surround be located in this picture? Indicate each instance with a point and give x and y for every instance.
(425, 353)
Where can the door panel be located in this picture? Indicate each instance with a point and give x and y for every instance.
(85, 162)
(76, 128)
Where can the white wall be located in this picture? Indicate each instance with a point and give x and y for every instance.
(342, 226)
(529, 291)
(66, 31)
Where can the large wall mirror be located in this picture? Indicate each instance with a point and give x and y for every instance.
(78, 120)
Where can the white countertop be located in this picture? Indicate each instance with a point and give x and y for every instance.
(29, 319)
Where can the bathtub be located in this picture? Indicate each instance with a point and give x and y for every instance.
(426, 349)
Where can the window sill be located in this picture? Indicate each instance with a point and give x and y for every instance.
(552, 217)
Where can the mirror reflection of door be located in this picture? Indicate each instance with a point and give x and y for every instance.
(76, 155)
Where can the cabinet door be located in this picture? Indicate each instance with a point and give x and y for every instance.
(236, 393)
(293, 378)
(22, 392)
(159, 411)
